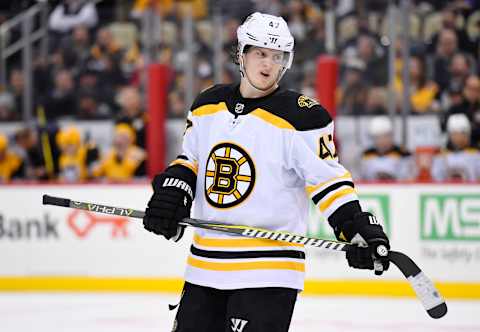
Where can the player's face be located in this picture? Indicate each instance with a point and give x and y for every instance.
(262, 66)
(460, 140)
(383, 142)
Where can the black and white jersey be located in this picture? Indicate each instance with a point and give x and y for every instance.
(258, 162)
(394, 164)
(457, 165)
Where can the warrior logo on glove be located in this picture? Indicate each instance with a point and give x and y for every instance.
(229, 177)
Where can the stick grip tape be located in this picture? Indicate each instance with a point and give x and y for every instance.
(51, 200)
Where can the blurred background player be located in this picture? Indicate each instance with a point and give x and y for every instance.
(125, 160)
(9, 162)
(385, 160)
(76, 158)
(458, 161)
(470, 106)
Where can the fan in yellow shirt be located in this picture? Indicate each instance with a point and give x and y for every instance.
(9, 162)
(125, 160)
(75, 157)
(423, 91)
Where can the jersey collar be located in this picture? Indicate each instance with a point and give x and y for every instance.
(237, 105)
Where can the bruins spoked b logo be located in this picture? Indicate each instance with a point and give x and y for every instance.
(229, 177)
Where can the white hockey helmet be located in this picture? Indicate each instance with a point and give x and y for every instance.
(266, 31)
(458, 123)
(380, 125)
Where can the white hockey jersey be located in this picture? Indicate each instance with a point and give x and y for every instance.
(457, 165)
(258, 161)
(395, 164)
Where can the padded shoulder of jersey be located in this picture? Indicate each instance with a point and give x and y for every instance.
(395, 150)
(370, 152)
(212, 95)
(302, 112)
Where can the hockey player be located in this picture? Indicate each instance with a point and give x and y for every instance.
(254, 154)
(385, 160)
(459, 161)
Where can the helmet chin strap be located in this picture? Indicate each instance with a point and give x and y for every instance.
(243, 72)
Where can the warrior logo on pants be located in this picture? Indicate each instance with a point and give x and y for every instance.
(238, 324)
(229, 177)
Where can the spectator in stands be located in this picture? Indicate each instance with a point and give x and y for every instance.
(70, 14)
(125, 160)
(176, 104)
(76, 49)
(376, 102)
(132, 112)
(90, 106)
(449, 21)
(422, 91)
(9, 162)
(26, 146)
(16, 87)
(447, 47)
(7, 112)
(105, 48)
(61, 101)
(352, 94)
(385, 161)
(76, 158)
(105, 59)
(314, 43)
(459, 161)
(367, 50)
(460, 67)
(470, 106)
(296, 16)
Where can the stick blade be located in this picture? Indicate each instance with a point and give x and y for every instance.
(439, 311)
(424, 288)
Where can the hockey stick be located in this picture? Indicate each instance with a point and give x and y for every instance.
(421, 284)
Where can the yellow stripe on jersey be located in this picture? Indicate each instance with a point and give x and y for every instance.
(256, 265)
(311, 189)
(209, 109)
(272, 119)
(244, 178)
(185, 163)
(241, 242)
(325, 203)
(241, 161)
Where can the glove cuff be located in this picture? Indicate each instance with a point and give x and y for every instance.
(361, 219)
(179, 177)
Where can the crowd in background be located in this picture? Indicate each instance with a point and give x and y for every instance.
(94, 66)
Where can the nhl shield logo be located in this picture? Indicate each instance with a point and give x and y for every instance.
(229, 177)
(239, 108)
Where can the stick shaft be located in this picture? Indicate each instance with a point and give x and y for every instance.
(422, 285)
(231, 229)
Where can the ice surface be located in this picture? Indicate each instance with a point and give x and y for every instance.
(62, 312)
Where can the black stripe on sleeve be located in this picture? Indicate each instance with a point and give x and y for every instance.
(247, 254)
(328, 190)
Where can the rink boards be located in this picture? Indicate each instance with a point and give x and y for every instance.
(53, 248)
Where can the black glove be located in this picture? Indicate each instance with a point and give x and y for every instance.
(170, 203)
(372, 245)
